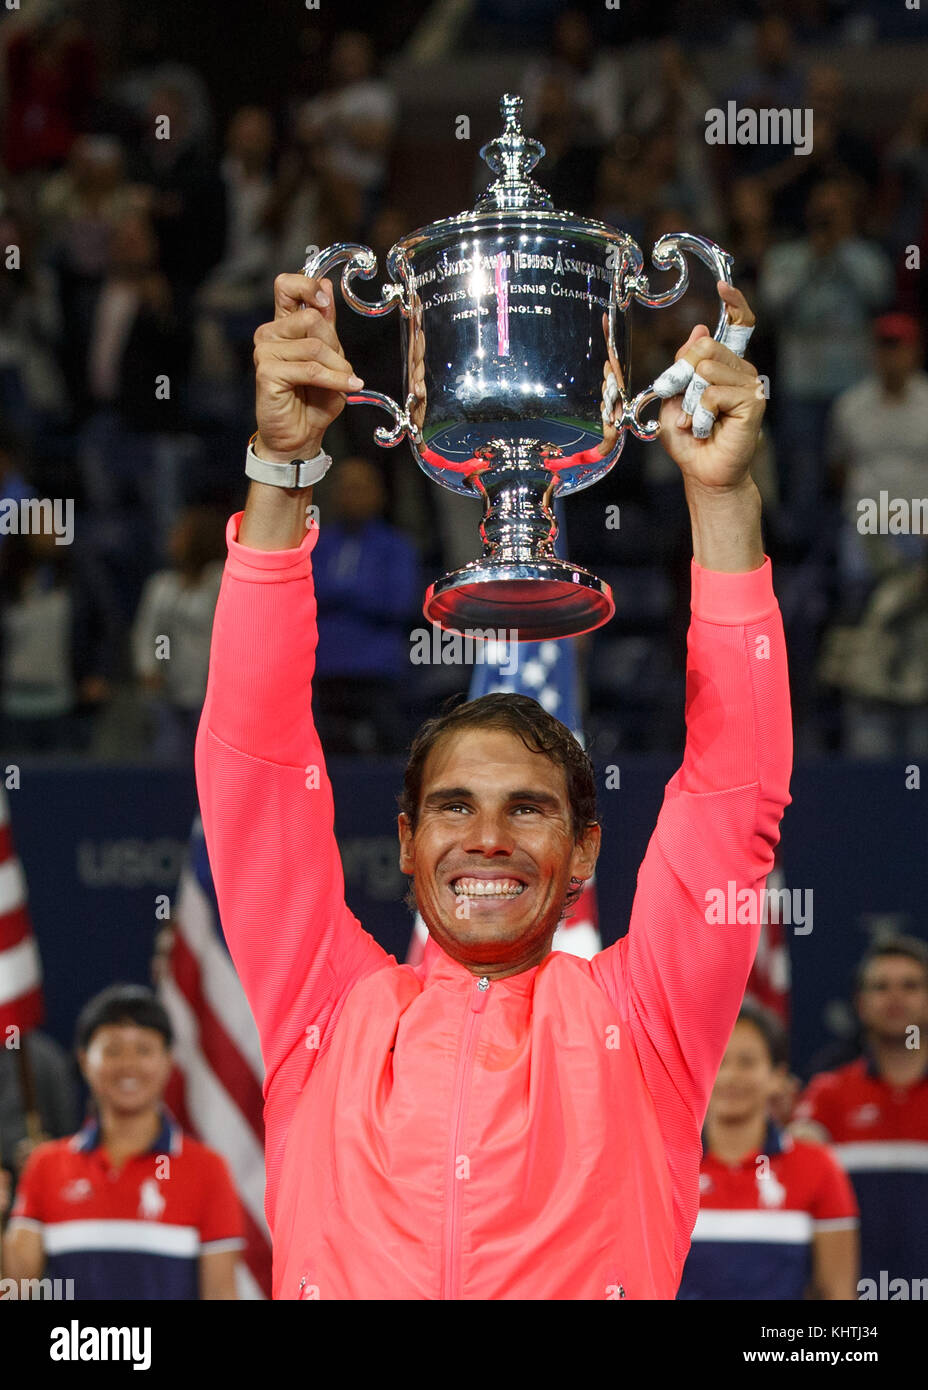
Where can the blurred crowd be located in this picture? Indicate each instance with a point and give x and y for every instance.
(137, 268)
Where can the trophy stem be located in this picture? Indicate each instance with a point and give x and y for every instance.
(518, 524)
(519, 585)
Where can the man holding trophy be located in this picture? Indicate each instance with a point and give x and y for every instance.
(501, 1121)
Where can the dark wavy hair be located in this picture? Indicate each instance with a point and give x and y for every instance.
(538, 730)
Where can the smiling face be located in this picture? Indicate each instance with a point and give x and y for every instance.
(747, 1080)
(126, 1068)
(493, 852)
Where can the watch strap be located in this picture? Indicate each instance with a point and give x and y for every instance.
(297, 473)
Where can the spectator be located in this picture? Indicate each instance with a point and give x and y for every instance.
(247, 175)
(676, 186)
(49, 67)
(881, 666)
(837, 151)
(907, 160)
(875, 1110)
(367, 587)
(32, 389)
(230, 298)
(177, 604)
(775, 81)
(355, 121)
(298, 212)
(56, 1097)
(878, 442)
(136, 335)
(80, 209)
(128, 1171)
(624, 192)
(570, 165)
(14, 480)
(777, 1216)
(186, 197)
(750, 233)
(821, 292)
(148, 64)
(675, 104)
(592, 77)
(139, 349)
(58, 645)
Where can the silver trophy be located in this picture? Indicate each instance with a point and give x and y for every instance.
(516, 356)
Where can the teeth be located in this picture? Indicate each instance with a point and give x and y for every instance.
(487, 888)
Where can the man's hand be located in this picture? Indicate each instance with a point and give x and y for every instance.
(710, 419)
(728, 413)
(302, 375)
(302, 381)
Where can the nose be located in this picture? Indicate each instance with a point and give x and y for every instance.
(489, 833)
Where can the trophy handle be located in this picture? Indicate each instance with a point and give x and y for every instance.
(668, 255)
(360, 260)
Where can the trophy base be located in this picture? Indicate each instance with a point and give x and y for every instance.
(539, 599)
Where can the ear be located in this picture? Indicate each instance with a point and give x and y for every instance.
(407, 853)
(586, 851)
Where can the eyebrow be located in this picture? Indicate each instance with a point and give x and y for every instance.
(542, 798)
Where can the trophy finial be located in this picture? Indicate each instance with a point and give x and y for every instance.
(512, 156)
(510, 108)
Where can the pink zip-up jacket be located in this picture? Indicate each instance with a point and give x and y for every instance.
(427, 1135)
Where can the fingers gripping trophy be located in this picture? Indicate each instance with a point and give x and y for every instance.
(515, 325)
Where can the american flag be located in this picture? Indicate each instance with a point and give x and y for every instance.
(21, 1002)
(547, 671)
(769, 980)
(216, 1088)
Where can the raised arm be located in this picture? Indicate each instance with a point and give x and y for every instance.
(678, 977)
(265, 796)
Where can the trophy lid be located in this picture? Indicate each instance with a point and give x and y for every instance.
(512, 156)
(512, 199)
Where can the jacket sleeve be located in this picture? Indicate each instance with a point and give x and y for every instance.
(678, 976)
(268, 818)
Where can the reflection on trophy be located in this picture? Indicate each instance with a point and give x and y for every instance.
(516, 350)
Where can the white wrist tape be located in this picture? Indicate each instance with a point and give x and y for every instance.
(737, 337)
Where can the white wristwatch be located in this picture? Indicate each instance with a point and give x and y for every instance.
(296, 473)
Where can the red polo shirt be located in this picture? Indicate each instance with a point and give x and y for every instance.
(132, 1232)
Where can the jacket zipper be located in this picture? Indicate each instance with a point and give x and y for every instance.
(450, 1279)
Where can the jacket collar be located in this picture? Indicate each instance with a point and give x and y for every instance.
(868, 1059)
(776, 1141)
(868, 1064)
(168, 1140)
(437, 965)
